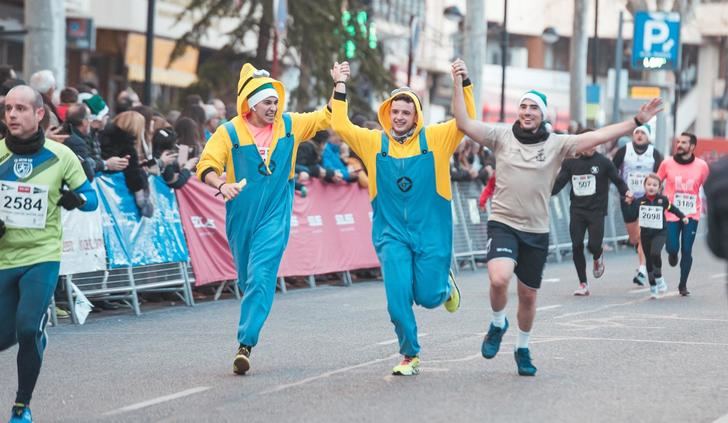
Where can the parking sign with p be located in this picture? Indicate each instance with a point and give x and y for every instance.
(656, 41)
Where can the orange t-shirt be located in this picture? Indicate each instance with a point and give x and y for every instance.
(263, 138)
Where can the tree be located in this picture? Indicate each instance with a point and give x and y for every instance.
(315, 39)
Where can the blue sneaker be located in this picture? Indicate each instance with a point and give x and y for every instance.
(523, 361)
(21, 414)
(492, 341)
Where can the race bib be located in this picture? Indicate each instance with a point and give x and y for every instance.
(636, 181)
(651, 217)
(23, 205)
(584, 185)
(687, 203)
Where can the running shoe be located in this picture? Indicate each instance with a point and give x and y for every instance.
(582, 291)
(241, 364)
(599, 267)
(523, 361)
(654, 293)
(453, 303)
(492, 341)
(409, 366)
(672, 259)
(639, 279)
(21, 414)
(661, 285)
(684, 292)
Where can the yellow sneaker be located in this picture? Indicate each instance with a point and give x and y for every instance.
(453, 303)
(409, 366)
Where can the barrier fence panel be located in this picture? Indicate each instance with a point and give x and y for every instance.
(330, 233)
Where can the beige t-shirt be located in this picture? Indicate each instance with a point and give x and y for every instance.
(525, 175)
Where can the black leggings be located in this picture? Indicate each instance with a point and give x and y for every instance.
(579, 225)
(652, 245)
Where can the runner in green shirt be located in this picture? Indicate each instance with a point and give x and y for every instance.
(36, 177)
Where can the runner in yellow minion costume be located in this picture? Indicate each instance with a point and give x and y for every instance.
(257, 152)
(409, 170)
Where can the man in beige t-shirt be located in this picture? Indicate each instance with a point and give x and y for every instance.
(528, 159)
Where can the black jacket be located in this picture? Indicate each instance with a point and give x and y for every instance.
(716, 191)
(309, 156)
(603, 170)
(115, 142)
(79, 144)
(664, 204)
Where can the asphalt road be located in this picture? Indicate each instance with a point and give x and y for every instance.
(326, 355)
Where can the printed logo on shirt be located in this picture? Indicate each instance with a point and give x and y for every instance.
(404, 183)
(263, 152)
(23, 167)
(594, 170)
(541, 157)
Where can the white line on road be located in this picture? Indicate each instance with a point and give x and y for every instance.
(394, 341)
(722, 419)
(327, 374)
(602, 308)
(719, 275)
(159, 400)
(674, 317)
(551, 307)
(648, 341)
(639, 290)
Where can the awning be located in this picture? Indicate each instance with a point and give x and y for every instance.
(180, 73)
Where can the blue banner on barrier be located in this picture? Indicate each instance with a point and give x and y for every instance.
(133, 240)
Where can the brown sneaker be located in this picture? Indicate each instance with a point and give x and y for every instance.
(241, 364)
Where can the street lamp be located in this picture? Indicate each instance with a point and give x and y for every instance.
(504, 58)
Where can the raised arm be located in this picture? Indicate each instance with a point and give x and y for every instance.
(358, 138)
(589, 140)
(478, 131)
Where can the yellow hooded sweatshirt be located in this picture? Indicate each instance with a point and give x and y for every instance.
(442, 138)
(217, 155)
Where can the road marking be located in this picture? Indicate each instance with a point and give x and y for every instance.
(601, 308)
(394, 341)
(722, 419)
(639, 290)
(719, 275)
(551, 307)
(325, 375)
(159, 400)
(648, 341)
(674, 317)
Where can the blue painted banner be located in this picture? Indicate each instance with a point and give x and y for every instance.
(135, 240)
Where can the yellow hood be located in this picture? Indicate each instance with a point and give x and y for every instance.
(249, 82)
(386, 106)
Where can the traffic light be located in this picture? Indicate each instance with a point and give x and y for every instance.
(366, 31)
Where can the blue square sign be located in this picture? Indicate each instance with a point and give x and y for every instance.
(656, 41)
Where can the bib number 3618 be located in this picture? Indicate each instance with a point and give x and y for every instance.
(23, 205)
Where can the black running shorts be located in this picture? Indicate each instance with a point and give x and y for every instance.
(529, 251)
(630, 213)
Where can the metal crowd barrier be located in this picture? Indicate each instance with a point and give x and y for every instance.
(470, 243)
(470, 228)
(126, 283)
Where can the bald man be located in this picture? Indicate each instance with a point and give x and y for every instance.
(36, 177)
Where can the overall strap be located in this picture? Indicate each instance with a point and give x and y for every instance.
(232, 133)
(385, 144)
(423, 141)
(287, 124)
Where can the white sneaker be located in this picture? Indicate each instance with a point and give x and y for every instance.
(654, 294)
(582, 291)
(598, 268)
(661, 285)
